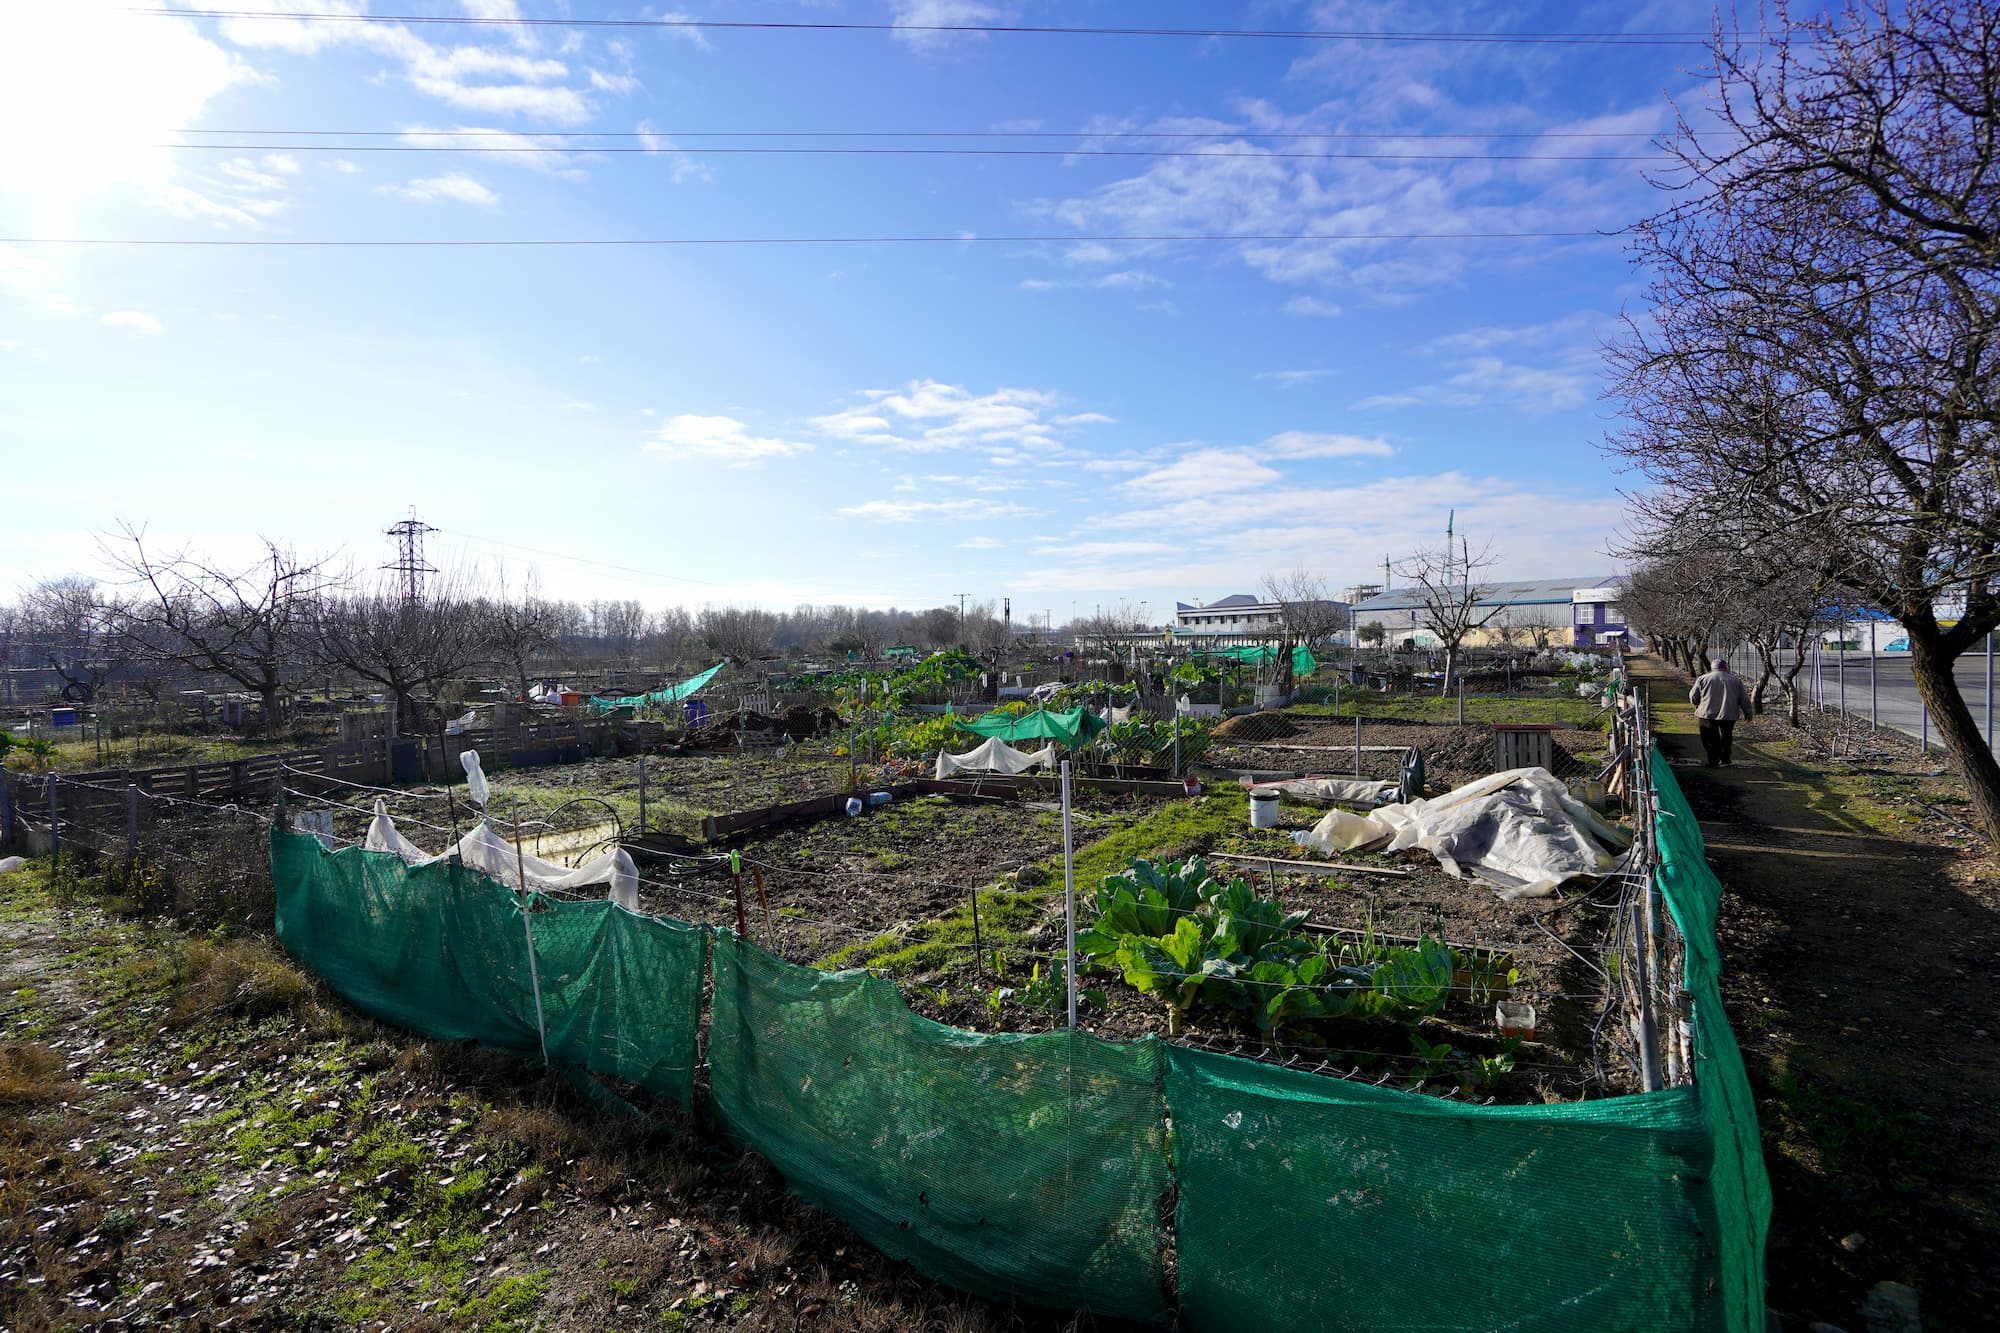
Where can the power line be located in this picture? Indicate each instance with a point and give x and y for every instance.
(796, 151)
(995, 29)
(962, 134)
(1271, 238)
(577, 559)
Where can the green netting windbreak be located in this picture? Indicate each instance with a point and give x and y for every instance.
(1310, 1203)
(1742, 1190)
(440, 949)
(1018, 1167)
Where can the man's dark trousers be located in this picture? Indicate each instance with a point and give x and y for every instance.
(1715, 738)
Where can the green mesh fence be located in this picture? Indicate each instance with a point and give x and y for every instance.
(440, 949)
(1729, 1111)
(1310, 1203)
(1040, 1168)
(1029, 1167)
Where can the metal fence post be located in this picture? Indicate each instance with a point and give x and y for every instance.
(6, 809)
(1069, 899)
(131, 826)
(55, 830)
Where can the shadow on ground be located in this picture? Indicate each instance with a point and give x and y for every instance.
(1859, 976)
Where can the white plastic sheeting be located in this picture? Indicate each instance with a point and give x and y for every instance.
(995, 756)
(487, 852)
(1519, 831)
(1349, 791)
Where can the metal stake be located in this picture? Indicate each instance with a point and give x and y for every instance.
(131, 827)
(1874, 720)
(1069, 898)
(55, 830)
(528, 928)
(1989, 689)
(1357, 742)
(642, 793)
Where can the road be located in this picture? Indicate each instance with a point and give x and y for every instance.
(1896, 702)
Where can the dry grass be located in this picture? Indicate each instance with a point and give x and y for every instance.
(29, 1075)
(245, 978)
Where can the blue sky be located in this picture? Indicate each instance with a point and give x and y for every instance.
(1063, 422)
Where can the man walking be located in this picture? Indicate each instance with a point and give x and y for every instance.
(1720, 700)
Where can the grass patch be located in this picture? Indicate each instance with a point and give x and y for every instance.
(1178, 828)
(210, 979)
(945, 943)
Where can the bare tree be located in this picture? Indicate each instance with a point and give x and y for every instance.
(405, 647)
(519, 631)
(67, 624)
(738, 633)
(248, 625)
(1307, 614)
(1820, 370)
(1449, 594)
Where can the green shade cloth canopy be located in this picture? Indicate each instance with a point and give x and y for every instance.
(673, 694)
(1072, 728)
(1263, 654)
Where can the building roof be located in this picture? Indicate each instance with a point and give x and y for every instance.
(1235, 601)
(1520, 592)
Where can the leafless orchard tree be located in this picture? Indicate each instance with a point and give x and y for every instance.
(519, 629)
(741, 634)
(1307, 613)
(1447, 589)
(67, 624)
(406, 647)
(1820, 369)
(191, 614)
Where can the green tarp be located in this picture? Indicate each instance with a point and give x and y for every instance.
(1263, 654)
(673, 694)
(1072, 728)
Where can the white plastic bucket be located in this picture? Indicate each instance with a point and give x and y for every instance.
(1263, 809)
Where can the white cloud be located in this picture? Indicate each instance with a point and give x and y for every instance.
(137, 321)
(1132, 280)
(693, 438)
(941, 13)
(612, 83)
(909, 511)
(1291, 379)
(453, 185)
(89, 92)
(685, 168)
(980, 544)
(341, 165)
(535, 152)
(925, 415)
(490, 79)
(1308, 444)
(694, 37)
(1101, 550)
(1490, 368)
(1311, 307)
(1205, 472)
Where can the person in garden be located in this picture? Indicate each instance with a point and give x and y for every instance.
(1720, 700)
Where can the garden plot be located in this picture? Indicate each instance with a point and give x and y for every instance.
(1453, 754)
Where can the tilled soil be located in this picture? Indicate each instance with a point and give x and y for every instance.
(1453, 755)
(835, 881)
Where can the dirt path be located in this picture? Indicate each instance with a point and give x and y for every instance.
(1859, 946)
